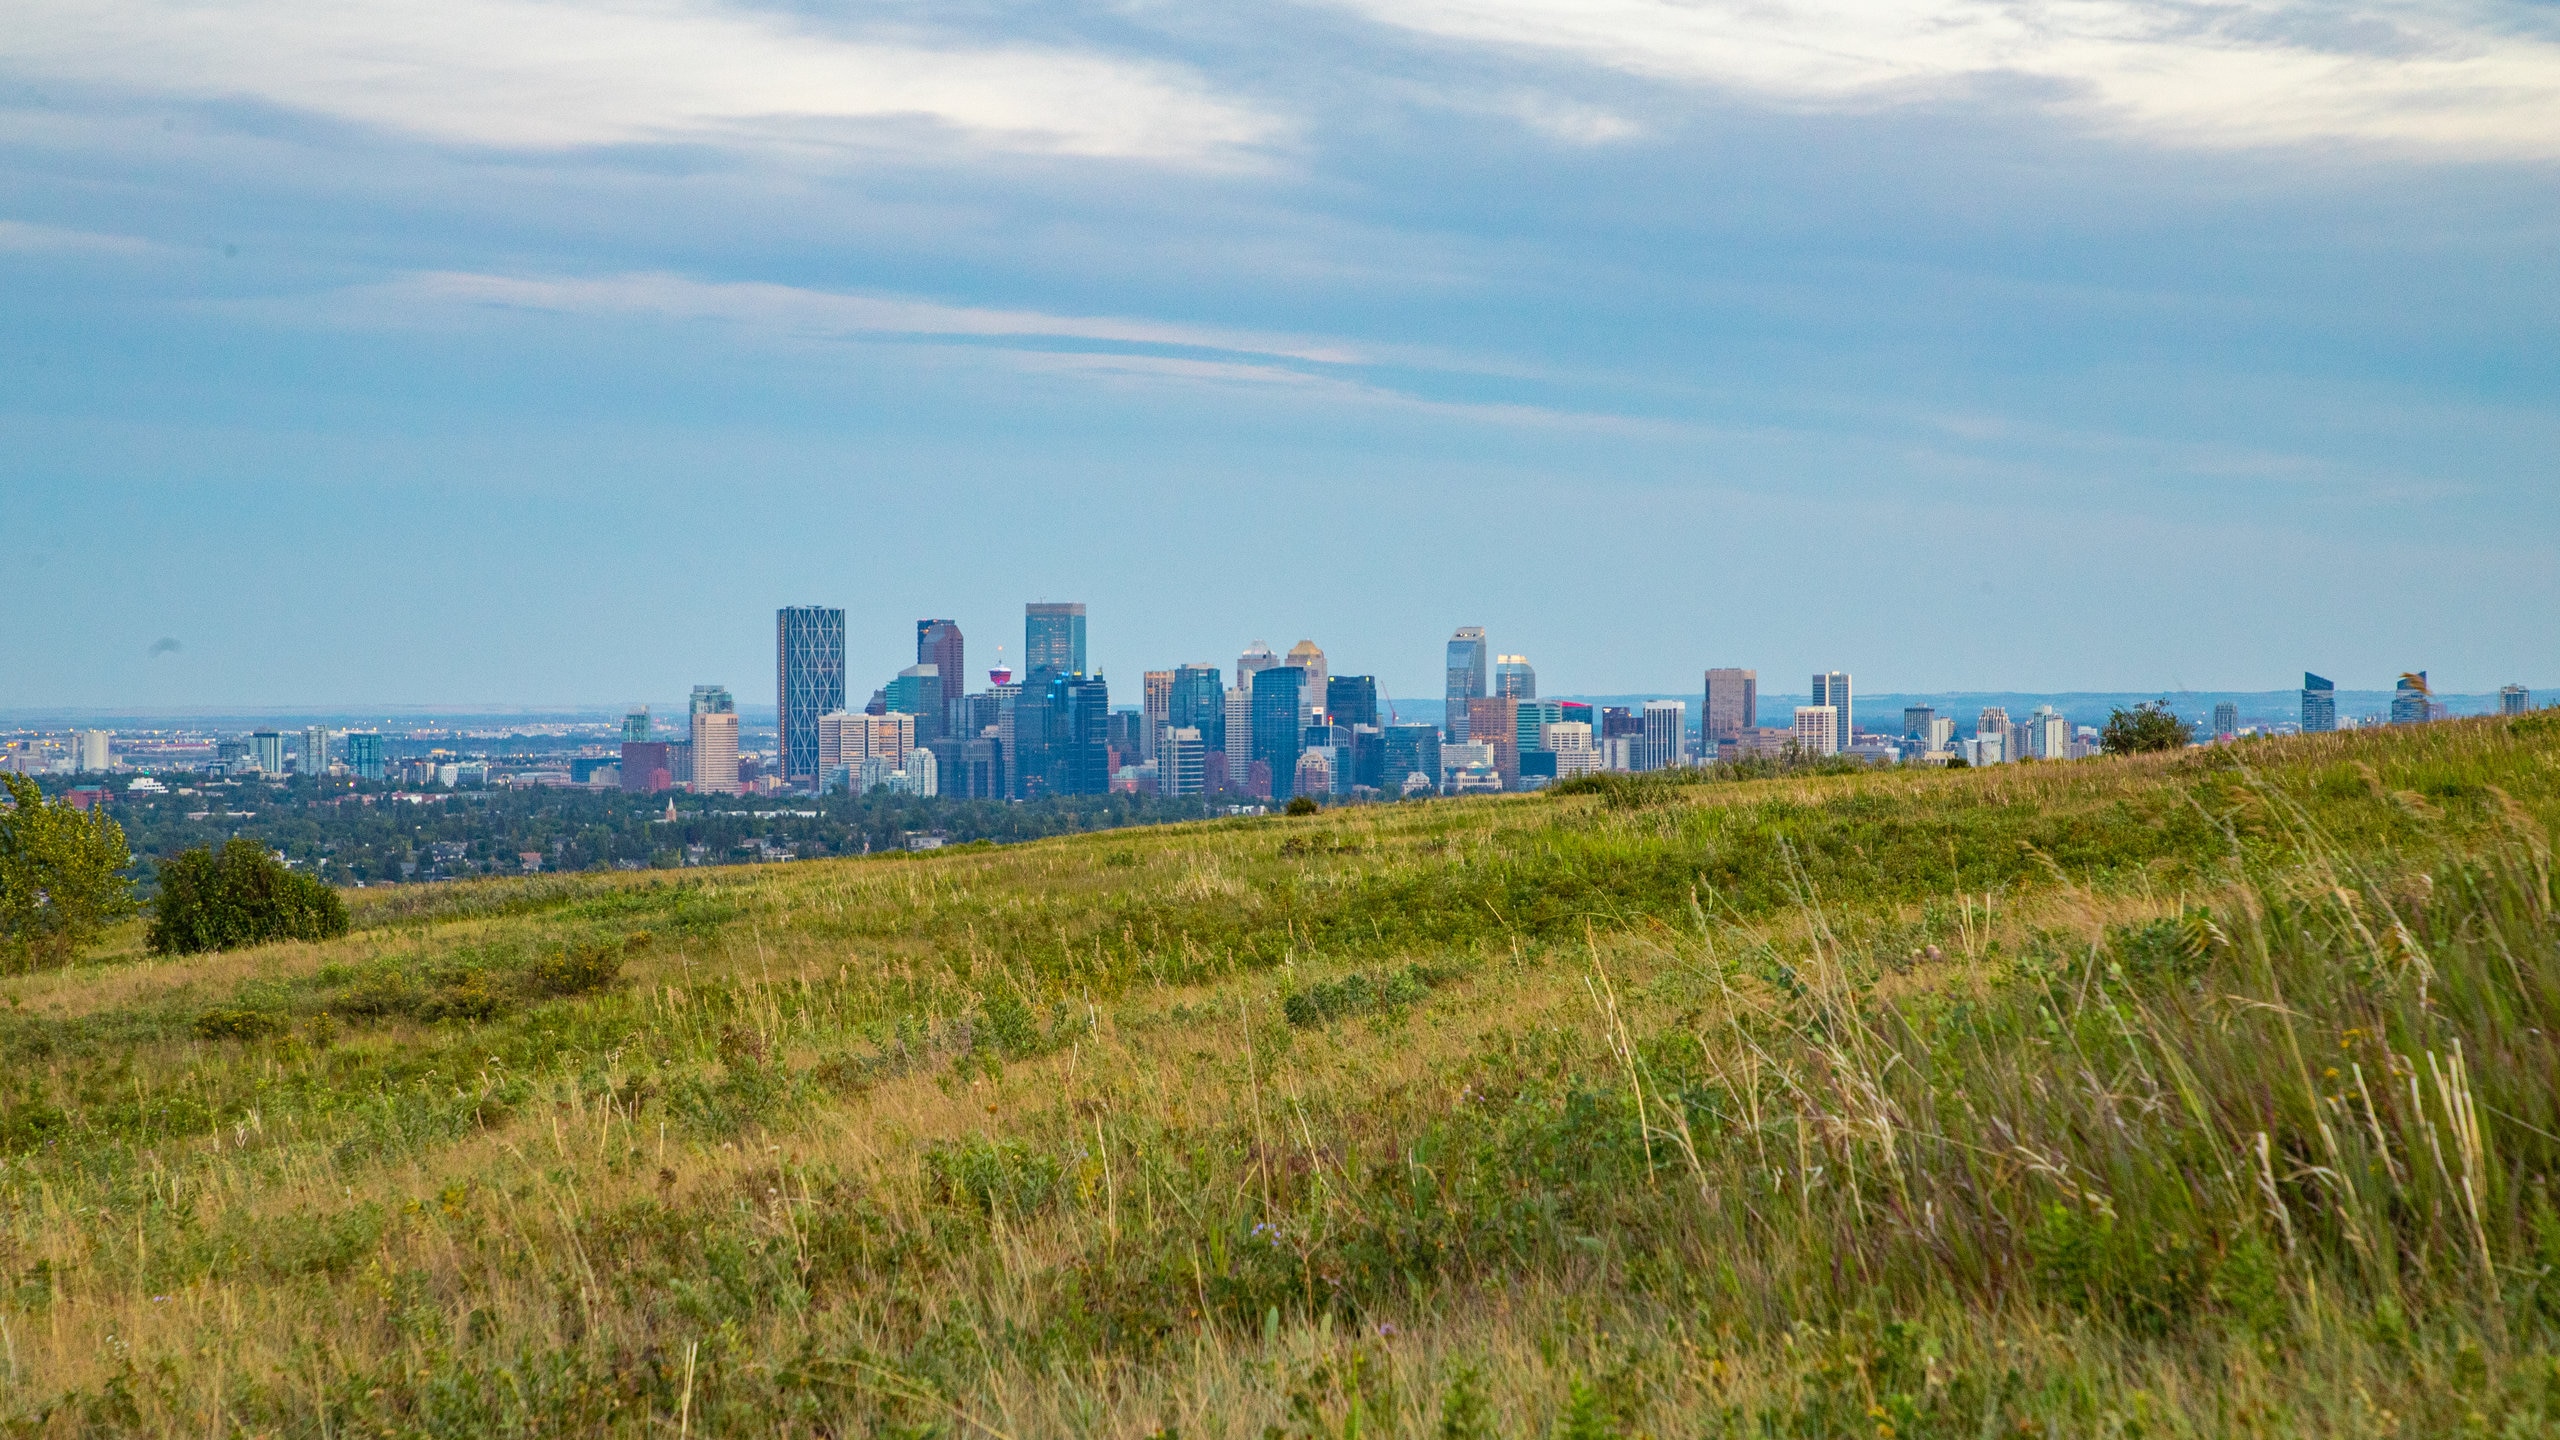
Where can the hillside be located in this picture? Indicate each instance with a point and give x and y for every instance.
(2202, 1094)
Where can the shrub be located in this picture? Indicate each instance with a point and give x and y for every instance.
(1357, 993)
(239, 896)
(238, 1025)
(575, 971)
(2149, 726)
(60, 877)
(993, 1176)
(1303, 805)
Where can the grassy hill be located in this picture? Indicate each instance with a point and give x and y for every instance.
(2205, 1094)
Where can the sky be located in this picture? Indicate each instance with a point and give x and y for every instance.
(516, 353)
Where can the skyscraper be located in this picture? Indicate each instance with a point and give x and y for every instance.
(1467, 669)
(266, 751)
(1665, 723)
(715, 749)
(1916, 720)
(808, 681)
(1495, 720)
(1155, 705)
(1818, 729)
(1832, 688)
(1412, 750)
(2409, 699)
(1277, 730)
(315, 749)
(1237, 738)
(1257, 657)
(2514, 700)
(1529, 722)
(95, 752)
(940, 645)
(1079, 748)
(1053, 637)
(1732, 705)
(1180, 761)
(710, 700)
(1514, 678)
(1311, 692)
(1352, 699)
(364, 754)
(2226, 720)
(635, 725)
(918, 691)
(1197, 699)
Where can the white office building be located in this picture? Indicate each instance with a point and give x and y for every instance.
(1817, 729)
(1666, 724)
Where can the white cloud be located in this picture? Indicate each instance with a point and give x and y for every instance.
(21, 236)
(534, 75)
(2465, 78)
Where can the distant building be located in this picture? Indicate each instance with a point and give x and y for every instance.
(1569, 741)
(1181, 761)
(2226, 719)
(1237, 739)
(2319, 704)
(710, 700)
(1514, 678)
(2409, 699)
(1986, 748)
(1916, 720)
(1306, 656)
(808, 681)
(1257, 657)
(981, 775)
(1076, 755)
(364, 754)
(1666, 724)
(646, 768)
(1529, 722)
(1832, 688)
(1730, 706)
(1352, 699)
(315, 749)
(1155, 708)
(1818, 729)
(1053, 638)
(1468, 767)
(2512, 700)
(635, 725)
(940, 644)
(1197, 700)
(1467, 678)
(1314, 774)
(1125, 732)
(94, 752)
(1495, 720)
(2048, 734)
(715, 751)
(1277, 728)
(1994, 720)
(1410, 750)
(917, 691)
(266, 751)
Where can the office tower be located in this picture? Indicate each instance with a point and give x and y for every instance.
(2226, 720)
(1239, 727)
(1311, 692)
(364, 754)
(888, 737)
(1666, 723)
(2512, 700)
(1916, 720)
(939, 644)
(917, 691)
(1940, 735)
(646, 767)
(1123, 731)
(1277, 729)
(1495, 721)
(1470, 768)
(1053, 637)
(844, 738)
(1616, 721)
(1352, 699)
(975, 713)
(1412, 753)
(1529, 721)
(1570, 742)
(1994, 720)
(1832, 688)
(635, 725)
(808, 681)
(266, 751)
(1077, 751)
(1467, 674)
(2319, 704)
(1198, 700)
(981, 774)
(2045, 735)
(710, 700)
(1514, 678)
(315, 749)
(1732, 705)
(1369, 757)
(715, 751)
(1007, 697)
(1181, 761)
(1313, 776)
(1987, 747)
(1155, 704)
(1818, 729)
(93, 751)
(1257, 657)
(2409, 699)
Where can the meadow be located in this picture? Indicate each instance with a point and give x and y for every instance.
(2201, 1094)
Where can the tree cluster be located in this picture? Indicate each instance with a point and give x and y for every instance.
(61, 877)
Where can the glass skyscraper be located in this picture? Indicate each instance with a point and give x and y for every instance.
(1832, 688)
(1053, 637)
(1352, 699)
(1411, 750)
(2409, 699)
(939, 644)
(808, 681)
(1199, 702)
(364, 754)
(1467, 674)
(1277, 735)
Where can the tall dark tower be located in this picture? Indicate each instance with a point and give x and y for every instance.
(938, 644)
(808, 681)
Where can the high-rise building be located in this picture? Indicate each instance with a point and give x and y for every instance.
(1053, 637)
(94, 752)
(1731, 705)
(2226, 720)
(1314, 774)
(315, 749)
(646, 766)
(1818, 729)
(2319, 704)
(1666, 723)
(1125, 731)
(1237, 739)
(2514, 700)
(266, 751)
(1495, 721)
(1181, 761)
(1077, 753)
(715, 751)
(1529, 722)
(1994, 720)
(635, 725)
(940, 645)
(1940, 735)
(981, 770)
(1311, 693)
(917, 691)
(1197, 700)
(1277, 729)
(2047, 736)
(1570, 742)
(1467, 676)
(1352, 699)
(1007, 695)
(808, 681)
(1155, 705)
(1832, 688)
(1514, 678)
(710, 700)
(1411, 750)
(2409, 699)
(1916, 720)
(1257, 657)
(364, 754)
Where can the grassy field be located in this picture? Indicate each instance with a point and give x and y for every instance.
(2205, 1094)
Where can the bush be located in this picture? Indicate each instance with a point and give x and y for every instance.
(575, 971)
(1303, 805)
(2149, 726)
(238, 1025)
(60, 880)
(240, 896)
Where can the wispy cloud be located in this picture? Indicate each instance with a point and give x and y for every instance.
(22, 236)
(529, 75)
(2469, 79)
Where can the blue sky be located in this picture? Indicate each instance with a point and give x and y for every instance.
(532, 353)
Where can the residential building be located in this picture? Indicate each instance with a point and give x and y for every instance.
(315, 749)
(1818, 729)
(1514, 678)
(1155, 706)
(1277, 727)
(2226, 720)
(94, 752)
(1053, 638)
(1181, 761)
(364, 754)
(2512, 700)
(646, 769)
(1197, 700)
(917, 691)
(715, 751)
(1994, 721)
(1411, 750)
(940, 644)
(1832, 688)
(1311, 693)
(1236, 737)
(2048, 735)
(2319, 704)
(1352, 699)
(808, 681)
(1467, 676)
(1569, 741)
(266, 751)
(1730, 705)
(1666, 724)
(2409, 699)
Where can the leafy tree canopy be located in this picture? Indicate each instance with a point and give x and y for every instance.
(241, 895)
(61, 879)
(2149, 726)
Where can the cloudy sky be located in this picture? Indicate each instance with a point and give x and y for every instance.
(498, 351)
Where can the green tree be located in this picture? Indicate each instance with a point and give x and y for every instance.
(2149, 726)
(61, 879)
(242, 895)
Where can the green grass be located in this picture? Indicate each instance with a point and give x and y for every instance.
(2190, 1095)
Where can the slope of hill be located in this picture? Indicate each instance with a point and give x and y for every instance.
(2186, 1095)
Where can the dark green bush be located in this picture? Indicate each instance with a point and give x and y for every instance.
(238, 1024)
(1357, 993)
(575, 971)
(239, 896)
